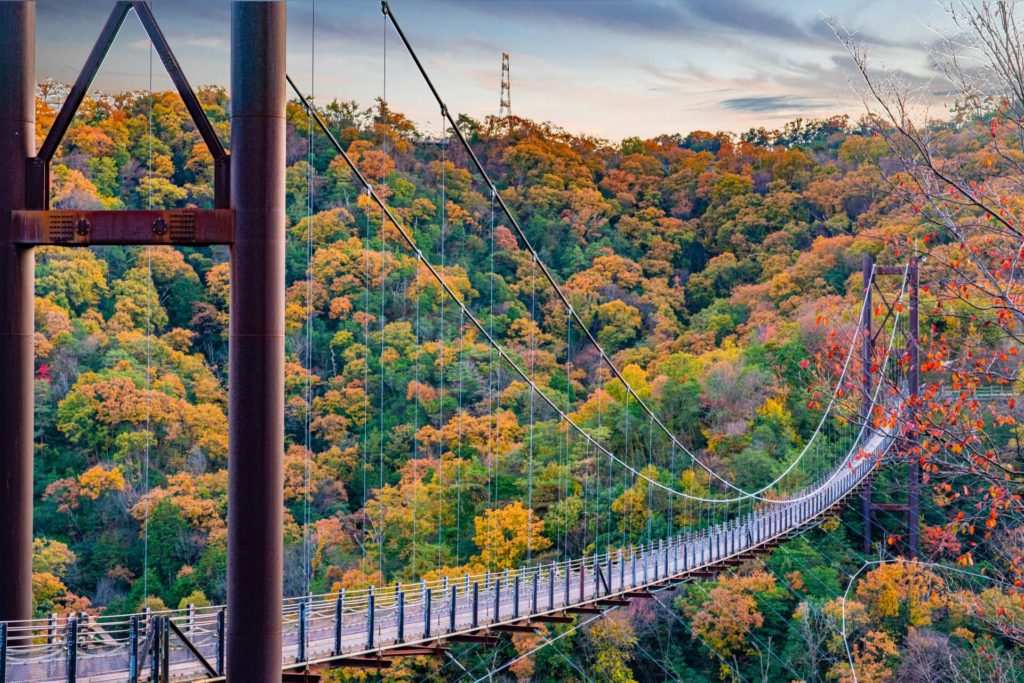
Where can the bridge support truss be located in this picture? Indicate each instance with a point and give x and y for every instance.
(912, 508)
(254, 192)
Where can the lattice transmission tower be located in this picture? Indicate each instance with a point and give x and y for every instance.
(505, 107)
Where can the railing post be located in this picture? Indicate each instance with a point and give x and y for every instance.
(302, 630)
(339, 615)
(632, 561)
(597, 578)
(475, 622)
(191, 611)
(154, 649)
(452, 608)
(426, 612)
(565, 596)
(664, 554)
(133, 650)
(71, 643)
(165, 650)
(51, 628)
(551, 587)
(496, 613)
(220, 641)
(401, 616)
(371, 601)
(515, 597)
(3, 652)
(622, 570)
(533, 599)
(654, 559)
(583, 578)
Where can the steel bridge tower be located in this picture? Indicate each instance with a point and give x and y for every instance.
(912, 508)
(250, 217)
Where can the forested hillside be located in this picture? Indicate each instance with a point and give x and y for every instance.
(720, 271)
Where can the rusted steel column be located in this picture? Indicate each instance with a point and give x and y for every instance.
(256, 354)
(866, 387)
(914, 390)
(17, 282)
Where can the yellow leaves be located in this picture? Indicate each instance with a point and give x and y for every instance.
(201, 500)
(596, 405)
(730, 610)
(504, 535)
(614, 641)
(352, 579)
(725, 618)
(298, 469)
(493, 437)
(894, 587)
(52, 556)
(795, 580)
(874, 657)
(637, 379)
(454, 276)
(46, 590)
(98, 480)
(632, 505)
(619, 324)
(423, 393)
(50, 561)
(757, 581)
(523, 669)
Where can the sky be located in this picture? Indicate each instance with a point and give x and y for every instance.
(608, 68)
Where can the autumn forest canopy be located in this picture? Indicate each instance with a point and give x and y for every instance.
(721, 273)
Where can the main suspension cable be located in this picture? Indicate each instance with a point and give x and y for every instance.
(386, 9)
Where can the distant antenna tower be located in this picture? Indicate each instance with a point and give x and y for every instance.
(505, 108)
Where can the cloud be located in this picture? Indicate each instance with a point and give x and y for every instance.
(771, 104)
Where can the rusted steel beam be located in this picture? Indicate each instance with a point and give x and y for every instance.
(643, 595)
(583, 609)
(613, 602)
(889, 270)
(513, 628)
(89, 228)
(360, 663)
(703, 574)
(890, 507)
(414, 652)
(476, 638)
(17, 269)
(554, 619)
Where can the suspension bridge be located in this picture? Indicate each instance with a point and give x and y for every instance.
(259, 635)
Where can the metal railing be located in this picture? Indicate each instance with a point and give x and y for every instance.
(179, 644)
